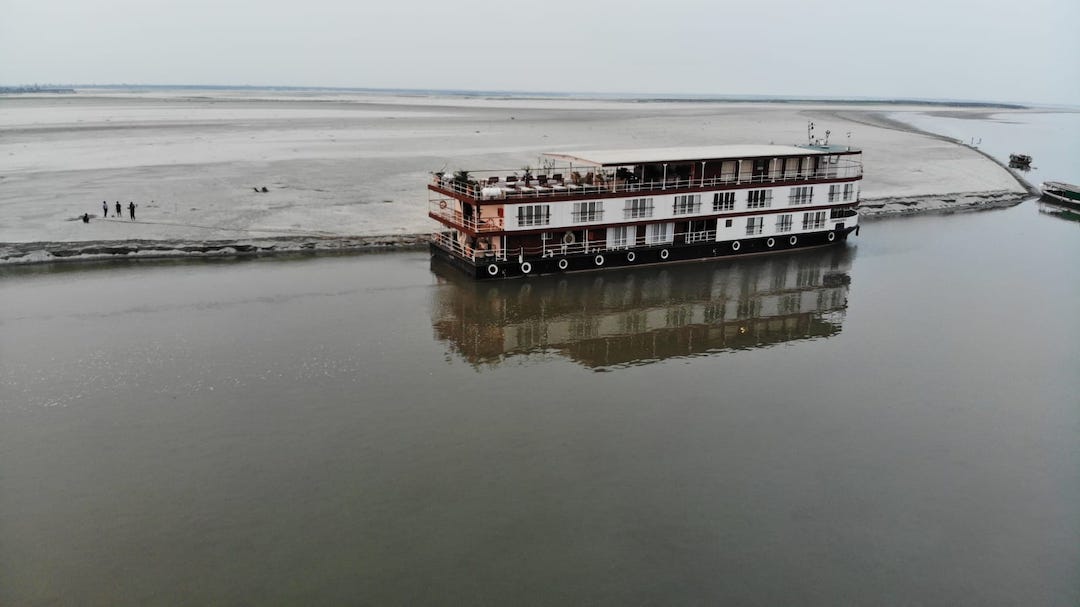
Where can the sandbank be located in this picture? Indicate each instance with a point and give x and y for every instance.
(344, 171)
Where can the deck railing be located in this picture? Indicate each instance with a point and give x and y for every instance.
(478, 187)
(449, 242)
(445, 210)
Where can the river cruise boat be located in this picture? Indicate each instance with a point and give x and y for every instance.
(1062, 193)
(600, 209)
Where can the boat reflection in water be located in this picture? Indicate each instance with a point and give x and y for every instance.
(643, 315)
(1058, 210)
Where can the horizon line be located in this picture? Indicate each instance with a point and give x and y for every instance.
(44, 87)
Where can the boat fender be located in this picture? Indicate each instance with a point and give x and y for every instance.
(792, 240)
(735, 246)
(770, 243)
(832, 236)
(526, 268)
(664, 253)
(630, 256)
(563, 264)
(599, 260)
(493, 269)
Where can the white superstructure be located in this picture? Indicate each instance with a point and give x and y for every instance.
(602, 208)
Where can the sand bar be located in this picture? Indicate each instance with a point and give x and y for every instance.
(347, 171)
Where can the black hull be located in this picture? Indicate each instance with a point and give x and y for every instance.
(1060, 200)
(637, 256)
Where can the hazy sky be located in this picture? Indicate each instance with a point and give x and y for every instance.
(996, 50)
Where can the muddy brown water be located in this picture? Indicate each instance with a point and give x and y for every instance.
(894, 421)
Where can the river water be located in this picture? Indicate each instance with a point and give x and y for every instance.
(893, 421)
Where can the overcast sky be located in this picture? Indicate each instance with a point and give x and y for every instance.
(995, 50)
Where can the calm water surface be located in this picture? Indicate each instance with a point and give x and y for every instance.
(891, 422)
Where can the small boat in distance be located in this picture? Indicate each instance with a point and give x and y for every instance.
(1020, 161)
(1062, 193)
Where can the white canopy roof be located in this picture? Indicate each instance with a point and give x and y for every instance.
(691, 154)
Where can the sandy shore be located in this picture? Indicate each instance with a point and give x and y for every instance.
(348, 172)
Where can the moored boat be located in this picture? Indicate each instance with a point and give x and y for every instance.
(1020, 161)
(600, 209)
(1063, 193)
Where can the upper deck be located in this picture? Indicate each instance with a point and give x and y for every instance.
(601, 173)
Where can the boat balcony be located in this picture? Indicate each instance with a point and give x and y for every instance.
(449, 213)
(481, 186)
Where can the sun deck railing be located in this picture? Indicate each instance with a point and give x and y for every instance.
(496, 187)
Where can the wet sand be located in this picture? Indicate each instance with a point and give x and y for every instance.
(343, 170)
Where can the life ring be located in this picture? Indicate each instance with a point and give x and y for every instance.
(599, 260)
(631, 256)
(735, 246)
(493, 269)
(832, 236)
(664, 253)
(526, 268)
(442, 204)
(563, 264)
(770, 243)
(792, 240)
(568, 238)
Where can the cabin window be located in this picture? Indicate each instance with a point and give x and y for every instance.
(783, 223)
(638, 207)
(686, 204)
(791, 167)
(754, 225)
(813, 221)
(621, 236)
(759, 199)
(588, 211)
(728, 168)
(849, 191)
(728, 223)
(834, 192)
(657, 233)
(723, 201)
(801, 195)
(534, 215)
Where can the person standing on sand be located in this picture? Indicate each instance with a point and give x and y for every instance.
(104, 209)
(131, 209)
(119, 210)
(86, 217)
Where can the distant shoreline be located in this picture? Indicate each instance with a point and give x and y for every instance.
(34, 90)
(524, 95)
